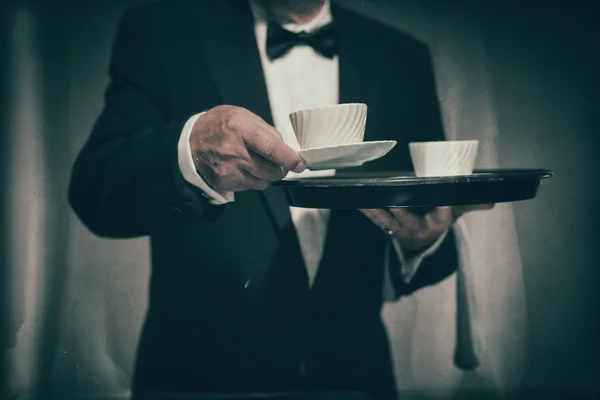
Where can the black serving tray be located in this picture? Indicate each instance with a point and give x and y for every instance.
(403, 189)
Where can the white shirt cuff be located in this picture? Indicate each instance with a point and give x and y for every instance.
(409, 267)
(188, 167)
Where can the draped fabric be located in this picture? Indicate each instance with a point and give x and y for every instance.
(73, 304)
(422, 327)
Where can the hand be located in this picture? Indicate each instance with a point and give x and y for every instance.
(235, 150)
(417, 232)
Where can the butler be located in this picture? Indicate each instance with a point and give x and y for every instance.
(248, 295)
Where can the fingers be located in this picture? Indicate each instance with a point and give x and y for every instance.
(440, 216)
(264, 140)
(407, 219)
(413, 232)
(382, 219)
(419, 227)
(251, 182)
(239, 181)
(418, 231)
(264, 169)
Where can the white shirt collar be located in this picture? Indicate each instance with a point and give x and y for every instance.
(323, 18)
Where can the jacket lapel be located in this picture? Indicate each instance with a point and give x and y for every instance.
(228, 45)
(359, 76)
(360, 81)
(229, 49)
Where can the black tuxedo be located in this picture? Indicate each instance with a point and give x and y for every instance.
(230, 309)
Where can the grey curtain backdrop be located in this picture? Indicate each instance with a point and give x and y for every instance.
(521, 78)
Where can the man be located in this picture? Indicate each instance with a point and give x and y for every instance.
(247, 295)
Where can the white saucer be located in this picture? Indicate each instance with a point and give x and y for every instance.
(345, 155)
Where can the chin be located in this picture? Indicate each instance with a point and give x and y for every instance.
(285, 9)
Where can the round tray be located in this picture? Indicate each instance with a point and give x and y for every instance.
(402, 189)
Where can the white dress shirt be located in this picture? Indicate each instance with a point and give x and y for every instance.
(301, 79)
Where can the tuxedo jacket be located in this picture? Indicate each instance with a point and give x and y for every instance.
(230, 309)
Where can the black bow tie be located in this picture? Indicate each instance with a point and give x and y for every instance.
(281, 41)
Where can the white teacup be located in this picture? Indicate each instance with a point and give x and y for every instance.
(330, 126)
(444, 158)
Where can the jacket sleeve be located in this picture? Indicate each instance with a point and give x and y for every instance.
(126, 179)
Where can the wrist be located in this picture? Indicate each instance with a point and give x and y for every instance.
(188, 165)
(193, 138)
(412, 247)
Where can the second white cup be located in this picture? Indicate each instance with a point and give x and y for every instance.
(444, 158)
